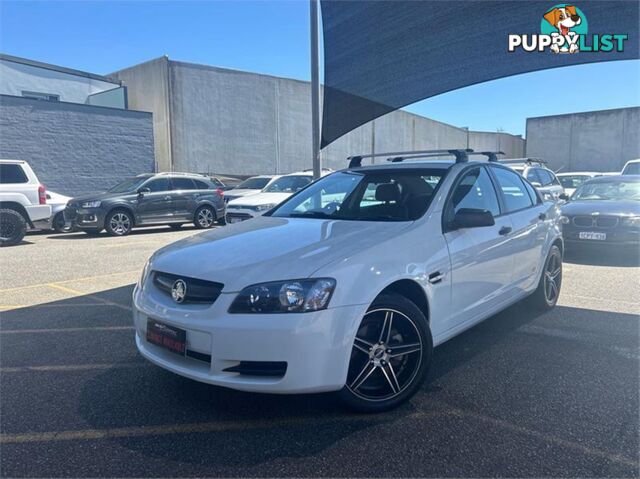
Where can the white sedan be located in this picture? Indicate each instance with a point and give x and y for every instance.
(348, 285)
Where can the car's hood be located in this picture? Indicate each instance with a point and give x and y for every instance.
(100, 196)
(603, 207)
(260, 199)
(269, 249)
(237, 193)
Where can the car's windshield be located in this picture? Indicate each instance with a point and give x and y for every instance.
(572, 181)
(288, 184)
(632, 169)
(400, 195)
(130, 184)
(253, 184)
(611, 190)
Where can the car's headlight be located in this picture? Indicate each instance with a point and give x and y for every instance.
(264, 207)
(295, 296)
(632, 221)
(91, 204)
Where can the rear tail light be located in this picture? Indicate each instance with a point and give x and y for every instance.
(219, 192)
(42, 195)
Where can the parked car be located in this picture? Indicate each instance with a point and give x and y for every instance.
(631, 167)
(248, 207)
(223, 184)
(350, 283)
(539, 175)
(250, 186)
(571, 181)
(604, 210)
(23, 200)
(56, 221)
(152, 199)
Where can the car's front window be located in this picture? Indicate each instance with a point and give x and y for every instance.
(130, 184)
(612, 190)
(365, 196)
(253, 184)
(288, 184)
(632, 169)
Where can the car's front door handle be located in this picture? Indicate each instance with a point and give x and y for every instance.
(167, 197)
(505, 230)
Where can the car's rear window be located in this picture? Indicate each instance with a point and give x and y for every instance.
(11, 173)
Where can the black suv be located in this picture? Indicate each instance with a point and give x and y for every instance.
(152, 199)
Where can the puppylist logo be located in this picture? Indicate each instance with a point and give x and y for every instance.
(564, 29)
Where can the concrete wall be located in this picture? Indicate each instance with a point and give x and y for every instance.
(17, 77)
(593, 141)
(75, 148)
(238, 123)
(512, 145)
(148, 90)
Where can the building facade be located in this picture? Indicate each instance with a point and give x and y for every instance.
(229, 122)
(73, 127)
(592, 141)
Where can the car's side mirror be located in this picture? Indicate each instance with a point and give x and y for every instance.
(472, 218)
(143, 191)
(564, 196)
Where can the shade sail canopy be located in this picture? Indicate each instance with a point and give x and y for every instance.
(382, 55)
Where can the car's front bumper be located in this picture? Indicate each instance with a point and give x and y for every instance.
(84, 218)
(236, 215)
(316, 346)
(614, 236)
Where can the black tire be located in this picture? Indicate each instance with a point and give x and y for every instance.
(380, 379)
(175, 226)
(550, 282)
(93, 232)
(118, 222)
(222, 221)
(13, 227)
(59, 225)
(204, 217)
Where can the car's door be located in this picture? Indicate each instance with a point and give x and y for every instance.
(183, 194)
(481, 262)
(154, 202)
(523, 205)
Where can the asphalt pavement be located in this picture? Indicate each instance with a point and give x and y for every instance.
(520, 395)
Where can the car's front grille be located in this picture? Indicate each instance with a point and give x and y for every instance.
(196, 291)
(595, 221)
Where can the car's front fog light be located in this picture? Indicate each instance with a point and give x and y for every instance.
(296, 296)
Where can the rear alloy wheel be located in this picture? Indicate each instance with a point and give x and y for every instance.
(119, 223)
(205, 217)
(548, 292)
(390, 356)
(13, 227)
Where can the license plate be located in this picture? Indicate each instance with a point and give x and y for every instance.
(165, 336)
(235, 220)
(592, 235)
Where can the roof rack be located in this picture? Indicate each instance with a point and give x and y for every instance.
(461, 155)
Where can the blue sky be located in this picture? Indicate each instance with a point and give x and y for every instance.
(273, 37)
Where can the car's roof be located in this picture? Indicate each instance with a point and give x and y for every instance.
(571, 173)
(12, 161)
(637, 160)
(615, 179)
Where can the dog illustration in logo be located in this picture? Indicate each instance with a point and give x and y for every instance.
(564, 19)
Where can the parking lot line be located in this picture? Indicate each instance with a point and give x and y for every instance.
(86, 278)
(73, 367)
(66, 330)
(75, 292)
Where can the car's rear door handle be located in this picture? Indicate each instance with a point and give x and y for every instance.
(436, 277)
(167, 197)
(505, 230)
(542, 216)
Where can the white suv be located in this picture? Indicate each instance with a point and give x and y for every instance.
(278, 190)
(22, 201)
(349, 284)
(534, 170)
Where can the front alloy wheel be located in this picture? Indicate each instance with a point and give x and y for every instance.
(390, 356)
(119, 223)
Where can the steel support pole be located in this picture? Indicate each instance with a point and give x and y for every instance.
(315, 90)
